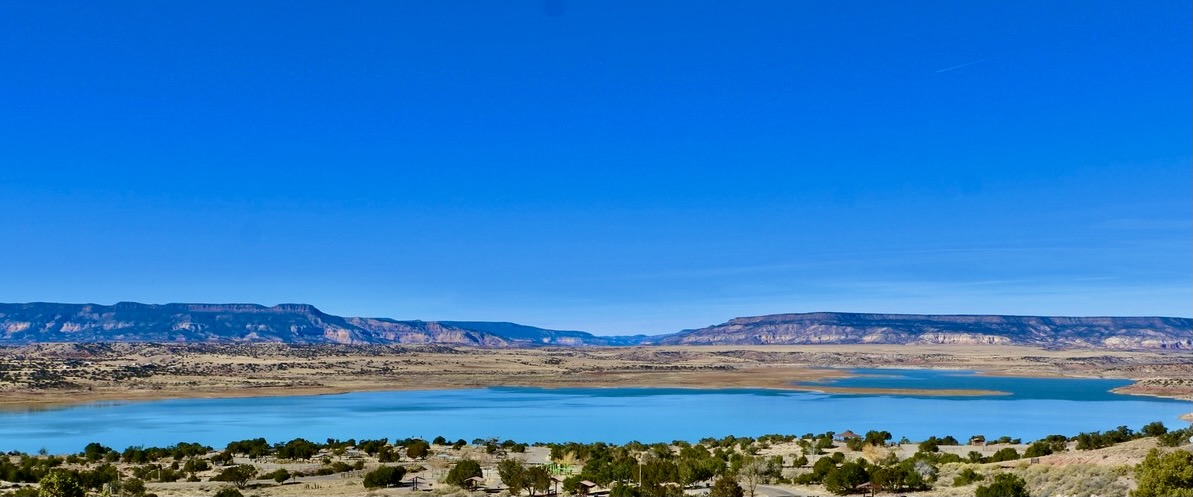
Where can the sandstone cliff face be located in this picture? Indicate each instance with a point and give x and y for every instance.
(426, 332)
(847, 328)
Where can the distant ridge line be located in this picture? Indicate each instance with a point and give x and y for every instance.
(296, 323)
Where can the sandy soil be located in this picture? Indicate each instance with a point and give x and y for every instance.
(58, 374)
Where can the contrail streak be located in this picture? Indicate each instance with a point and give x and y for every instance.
(959, 66)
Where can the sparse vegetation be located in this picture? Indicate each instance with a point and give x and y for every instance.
(727, 466)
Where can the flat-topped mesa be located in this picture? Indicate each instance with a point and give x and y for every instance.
(991, 319)
(860, 328)
(237, 308)
(304, 324)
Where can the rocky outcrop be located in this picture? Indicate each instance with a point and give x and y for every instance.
(849, 328)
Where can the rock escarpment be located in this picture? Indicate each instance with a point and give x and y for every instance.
(851, 328)
(304, 324)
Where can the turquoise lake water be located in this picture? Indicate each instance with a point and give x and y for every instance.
(1035, 408)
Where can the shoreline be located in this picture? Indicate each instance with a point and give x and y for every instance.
(49, 399)
(71, 375)
(35, 401)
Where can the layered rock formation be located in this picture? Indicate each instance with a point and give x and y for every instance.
(303, 324)
(849, 328)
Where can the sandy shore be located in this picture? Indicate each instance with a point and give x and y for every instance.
(63, 374)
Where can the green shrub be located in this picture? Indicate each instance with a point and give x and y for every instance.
(280, 476)
(1168, 475)
(1005, 454)
(1038, 449)
(967, 476)
(1004, 485)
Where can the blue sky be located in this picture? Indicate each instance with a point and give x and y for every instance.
(617, 167)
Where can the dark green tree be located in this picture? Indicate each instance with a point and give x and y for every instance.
(298, 448)
(253, 448)
(94, 451)
(726, 486)
(237, 475)
(1154, 429)
(878, 438)
(693, 469)
(823, 467)
(1005, 454)
(1038, 449)
(385, 476)
(888, 479)
(843, 480)
(537, 480)
(660, 478)
(513, 475)
(418, 449)
(571, 485)
(280, 476)
(462, 471)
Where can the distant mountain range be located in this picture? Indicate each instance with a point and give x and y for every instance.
(302, 323)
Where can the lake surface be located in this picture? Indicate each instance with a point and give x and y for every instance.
(1019, 388)
(1035, 408)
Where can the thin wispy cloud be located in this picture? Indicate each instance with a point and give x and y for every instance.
(959, 66)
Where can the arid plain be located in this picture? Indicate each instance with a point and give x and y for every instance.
(57, 374)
